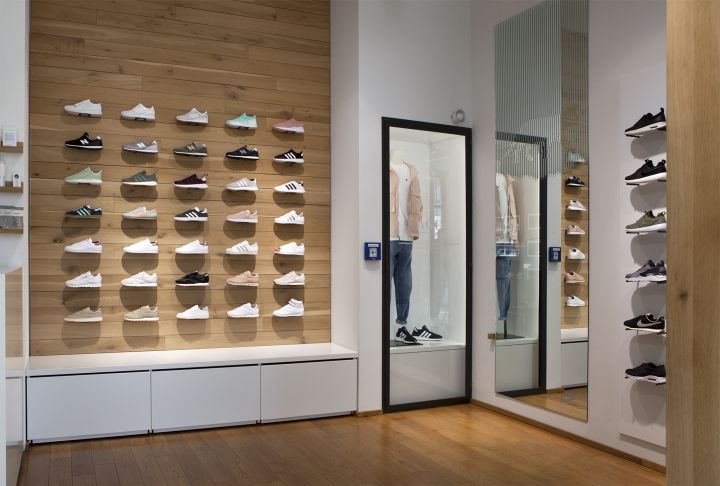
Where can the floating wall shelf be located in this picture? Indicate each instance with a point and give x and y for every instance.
(12, 150)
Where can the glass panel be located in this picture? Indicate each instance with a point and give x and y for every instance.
(542, 185)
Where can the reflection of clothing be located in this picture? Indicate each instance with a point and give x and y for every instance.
(401, 273)
(414, 204)
(506, 250)
(503, 265)
(506, 225)
(403, 176)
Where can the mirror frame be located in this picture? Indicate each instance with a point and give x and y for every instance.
(387, 124)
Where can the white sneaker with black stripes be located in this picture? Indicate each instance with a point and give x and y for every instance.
(291, 218)
(194, 214)
(291, 187)
(289, 157)
(425, 334)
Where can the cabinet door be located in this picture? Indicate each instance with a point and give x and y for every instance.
(297, 390)
(205, 397)
(77, 406)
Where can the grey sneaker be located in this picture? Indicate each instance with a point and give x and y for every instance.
(193, 148)
(85, 315)
(142, 178)
(144, 313)
(648, 222)
(142, 147)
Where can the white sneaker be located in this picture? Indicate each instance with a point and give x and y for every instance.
(294, 308)
(85, 281)
(244, 216)
(243, 248)
(194, 116)
(195, 312)
(575, 254)
(193, 248)
(243, 184)
(291, 248)
(291, 218)
(576, 206)
(85, 246)
(574, 229)
(245, 310)
(85, 108)
(574, 301)
(291, 187)
(291, 278)
(139, 112)
(141, 213)
(141, 279)
(142, 247)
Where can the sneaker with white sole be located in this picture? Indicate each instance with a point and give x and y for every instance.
(85, 281)
(292, 187)
(244, 216)
(291, 278)
(142, 147)
(85, 315)
(425, 334)
(194, 214)
(403, 336)
(245, 279)
(294, 308)
(85, 108)
(291, 248)
(291, 217)
(575, 254)
(141, 279)
(573, 278)
(193, 248)
(143, 247)
(143, 314)
(244, 311)
(192, 182)
(194, 116)
(85, 246)
(195, 149)
(574, 229)
(195, 312)
(575, 301)
(248, 122)
(576, 206)
(290, 156)
(85, 176)
(243, 184)
(139, 112)
(290, 126)
(141, 213)
(142, 178)
(243, 248)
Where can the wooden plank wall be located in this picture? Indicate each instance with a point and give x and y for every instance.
(267, 57)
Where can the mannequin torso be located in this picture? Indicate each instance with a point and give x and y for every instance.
(397, 164)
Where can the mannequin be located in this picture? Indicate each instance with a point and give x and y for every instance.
(506, 240)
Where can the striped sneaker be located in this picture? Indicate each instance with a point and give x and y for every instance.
(244, 216)
(243, 248)
(194, 214)
(291, 187)
(142, 178)
(289, 157)
(244, 152)
(290, 217)
(84, 212)
(243, 184)
(196, 149)
(142, 147)
(425, 334)
(141, 213)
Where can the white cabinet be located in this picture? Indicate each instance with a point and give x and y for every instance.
(300, 390)
(205, 397)
(574, 363)
(75, 406)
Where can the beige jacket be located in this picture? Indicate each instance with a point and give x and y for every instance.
(415, 205)
(512, 224)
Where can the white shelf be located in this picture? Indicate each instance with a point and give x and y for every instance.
(515, 341)
(193, 358)
(427, 346)
(655, 381)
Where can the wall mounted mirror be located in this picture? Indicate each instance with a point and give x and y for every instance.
(427, 307)
(541, 188)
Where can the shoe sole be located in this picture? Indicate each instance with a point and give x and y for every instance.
(648, 329)
(92, 252)
(655, 177)
(295, 131)
(288, 161)
(193, 285)
(191, 186)
(83, 147)
(575, 234)
(242, 127)
(576, 209)
(646, 279)
(646, 129)
(92, 115)
(253, 189)
(648, 229)
(84, 286)
(145, 184)
(243, 316)
(427, 339)
(243, 284)
(575, 305)
(91, 182)
(240, 254)
(192, 252)
(290, 222)
(72, 216)
(251, 221)
(137, 118)
(289, 254)
(187, 220)
(192, 122)
(142, 319)
(575, 185)
(141, 252)
(139, 285)
(140, 151)
(289, 192)
(574, 282)
(244, 157)
(84, 319)
(290, 284)
(399, 340)
(288, 315)
(203, 318)
(193, 154)
(141, 218)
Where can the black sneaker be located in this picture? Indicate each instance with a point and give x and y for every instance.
(647, 322)
(84, 212)
(425, 334)
(647, 370)
(575, 181)
(194, 214)
(85, 143)
(244, 153)
(193, 148)
(194, 279)
(648, 123)
(648, 173)
(403, 336)
(290, 156)
(650, 272)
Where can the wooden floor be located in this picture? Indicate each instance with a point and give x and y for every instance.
(459, 445)
(572, 402)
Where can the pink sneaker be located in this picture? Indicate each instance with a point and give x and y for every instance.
(290, 126)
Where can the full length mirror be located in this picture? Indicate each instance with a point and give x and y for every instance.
(542, 207)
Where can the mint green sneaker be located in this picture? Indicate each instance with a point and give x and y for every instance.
(246, 121)
(85, 176)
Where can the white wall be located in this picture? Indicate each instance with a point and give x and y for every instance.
(626, 44)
